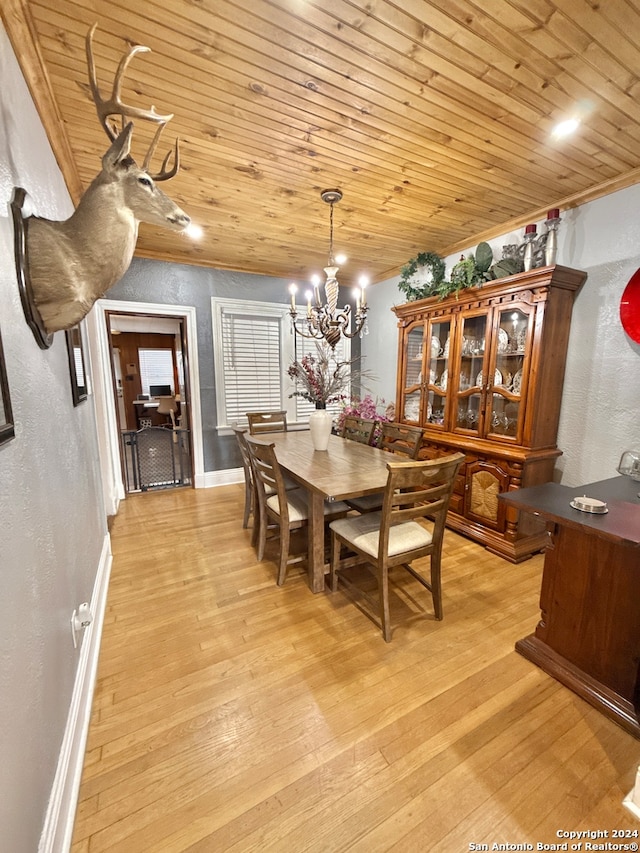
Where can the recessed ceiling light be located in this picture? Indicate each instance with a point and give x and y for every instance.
(194, 231)
(565, 128)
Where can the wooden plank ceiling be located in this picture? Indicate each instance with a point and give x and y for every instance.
(434, 117)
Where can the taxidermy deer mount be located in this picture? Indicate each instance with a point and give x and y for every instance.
(64, 267)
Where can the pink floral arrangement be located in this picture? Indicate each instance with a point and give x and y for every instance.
(366, 407)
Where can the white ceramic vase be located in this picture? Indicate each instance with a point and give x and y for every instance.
(320, 423)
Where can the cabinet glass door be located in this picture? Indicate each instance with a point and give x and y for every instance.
(437, 372)
(511, 347)
(413, 375)
(471, 381)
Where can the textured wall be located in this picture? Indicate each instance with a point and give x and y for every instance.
(52, 524)
(181, 284)
(600, 415)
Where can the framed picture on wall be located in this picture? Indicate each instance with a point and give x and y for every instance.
(7, 430)
(76, 365)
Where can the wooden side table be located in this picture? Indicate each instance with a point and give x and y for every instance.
(588, 636)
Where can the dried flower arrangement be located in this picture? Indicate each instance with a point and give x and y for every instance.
(321, 379)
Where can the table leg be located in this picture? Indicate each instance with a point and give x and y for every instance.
(316, 541)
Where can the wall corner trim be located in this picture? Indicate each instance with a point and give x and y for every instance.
(59, 819)
(632, 800)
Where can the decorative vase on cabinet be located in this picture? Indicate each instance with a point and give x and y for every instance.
(482, 372)
(320, 422)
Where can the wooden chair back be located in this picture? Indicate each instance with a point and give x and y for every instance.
(273, 503)
(395, 438)
(249, 496)
(168, 406)
(286, 508)
(267, 475)
(358, 429)
(402, 439)
(262, 422)
(417, 491)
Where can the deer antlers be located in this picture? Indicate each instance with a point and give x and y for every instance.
(107, 107)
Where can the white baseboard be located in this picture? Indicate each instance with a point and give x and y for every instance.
(58, 824)
(220, 478)
(632, 800)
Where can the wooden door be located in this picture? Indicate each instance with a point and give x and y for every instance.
(484, 482)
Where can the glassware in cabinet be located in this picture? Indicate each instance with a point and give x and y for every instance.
(510, 346)
(438, 374)
(414, 359)
(470, 369)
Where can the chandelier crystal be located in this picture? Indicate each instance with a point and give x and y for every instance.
(323, 319)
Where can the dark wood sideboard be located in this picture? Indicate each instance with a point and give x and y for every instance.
(588, 636)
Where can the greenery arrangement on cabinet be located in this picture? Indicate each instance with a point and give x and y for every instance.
(424, 275)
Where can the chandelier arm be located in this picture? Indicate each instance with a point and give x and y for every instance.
(325, 320)
(342, 319)
(309, 334)
(356, 331)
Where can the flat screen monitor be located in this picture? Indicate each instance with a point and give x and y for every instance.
(160, 390)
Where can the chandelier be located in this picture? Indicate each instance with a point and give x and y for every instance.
(324, 319)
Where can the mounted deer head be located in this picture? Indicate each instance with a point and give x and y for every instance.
(71, 264)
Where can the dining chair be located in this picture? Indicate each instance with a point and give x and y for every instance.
(402, 439)
(410, 526)
(249, 487)
(261, 422)
(395, 438)
(358, 429)
(287, 510)
(250, 499)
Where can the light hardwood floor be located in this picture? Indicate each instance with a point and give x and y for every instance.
(233, 715)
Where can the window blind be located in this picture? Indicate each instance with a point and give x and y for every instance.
(156, 368)
(254, 346)
(79, 363)
(251, 361)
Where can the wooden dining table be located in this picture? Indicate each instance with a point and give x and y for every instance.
(347, 469)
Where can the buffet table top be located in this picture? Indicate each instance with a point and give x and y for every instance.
(553, 502)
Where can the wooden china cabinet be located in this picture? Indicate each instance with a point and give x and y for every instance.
(482, 372)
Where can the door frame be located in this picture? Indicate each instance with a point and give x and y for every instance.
(100, 352)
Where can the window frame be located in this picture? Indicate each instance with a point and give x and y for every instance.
(288, 353)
